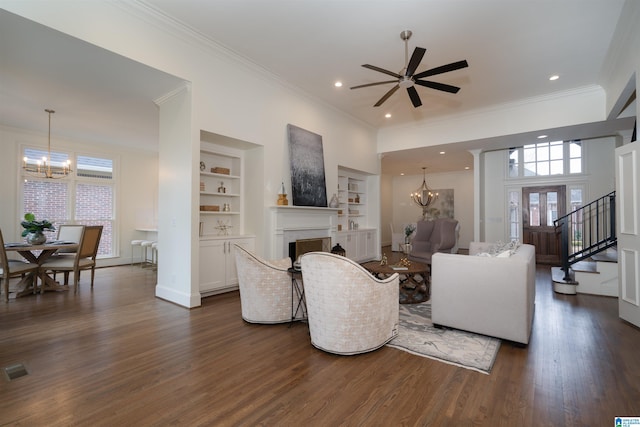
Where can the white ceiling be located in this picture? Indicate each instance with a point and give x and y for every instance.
(512, 48)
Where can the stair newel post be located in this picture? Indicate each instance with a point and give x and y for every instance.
(612, 216)
(564, 246)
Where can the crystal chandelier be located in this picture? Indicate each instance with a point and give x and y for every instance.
(45, 168)
(423, 196)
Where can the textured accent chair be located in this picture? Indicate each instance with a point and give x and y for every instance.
(12, 268)
(350, 311)
(265, 288)
(84, 259)
(439, 235)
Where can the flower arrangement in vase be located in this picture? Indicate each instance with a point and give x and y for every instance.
(408, 231)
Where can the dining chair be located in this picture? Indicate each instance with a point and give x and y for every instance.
(12, 268)
(84, 259)
(69, 233)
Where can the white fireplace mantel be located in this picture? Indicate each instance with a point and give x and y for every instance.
(289, 223)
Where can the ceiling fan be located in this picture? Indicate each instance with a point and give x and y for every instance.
(407, 79)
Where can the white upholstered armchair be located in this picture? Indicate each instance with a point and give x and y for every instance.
(265, 288)
(349, 310)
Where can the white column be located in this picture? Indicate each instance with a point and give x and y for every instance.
(478, 233)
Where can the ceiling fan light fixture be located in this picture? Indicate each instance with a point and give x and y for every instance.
(406, 35)
(406, 83)
(407, 78)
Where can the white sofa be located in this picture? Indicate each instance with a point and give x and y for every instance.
(492, 296)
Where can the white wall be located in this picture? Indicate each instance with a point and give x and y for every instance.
(137, 186)
(405, 211)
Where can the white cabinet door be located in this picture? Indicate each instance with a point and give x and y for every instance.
(370, 242)
(351, 245)
(365, 245)
(361, 237)
(212, 265)
(217, 263)
(232, 271)
(348, 241)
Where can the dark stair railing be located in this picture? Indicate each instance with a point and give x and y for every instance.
(586, 231)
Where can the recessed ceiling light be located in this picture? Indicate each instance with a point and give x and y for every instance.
(554, 77)
(401, 173)
(338, 84)
(466, 168)
(388, 115)
(542, 136)
(442, 152)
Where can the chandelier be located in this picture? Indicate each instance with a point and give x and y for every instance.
(45, 168)
(423, 196)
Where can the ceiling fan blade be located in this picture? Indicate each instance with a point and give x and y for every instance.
(387, 95)
(416, 57)
(442, 69)
(438, 86)
(382, 70)
(374, 84)
(415, 98)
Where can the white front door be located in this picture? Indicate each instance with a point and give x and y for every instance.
(628, 230)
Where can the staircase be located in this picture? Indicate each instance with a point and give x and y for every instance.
(587, 247)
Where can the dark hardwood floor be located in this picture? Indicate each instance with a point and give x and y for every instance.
(119, 356)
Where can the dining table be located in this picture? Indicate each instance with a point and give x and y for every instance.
(38, 254)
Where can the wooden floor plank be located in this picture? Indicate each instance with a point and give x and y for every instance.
(116, 355)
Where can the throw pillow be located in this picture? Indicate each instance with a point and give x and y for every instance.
(501, 250)
(504, 254)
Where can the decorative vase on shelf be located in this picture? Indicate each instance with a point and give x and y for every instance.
(282, 196)
(36, 238)
(334, 203)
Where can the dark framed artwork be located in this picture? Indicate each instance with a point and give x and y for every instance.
(306, 159)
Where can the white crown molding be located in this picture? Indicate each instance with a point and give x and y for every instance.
(153, 16)
(186, 87)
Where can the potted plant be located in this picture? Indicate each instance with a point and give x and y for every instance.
(33, 230)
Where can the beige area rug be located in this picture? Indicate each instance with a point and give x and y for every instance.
(417, 335)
